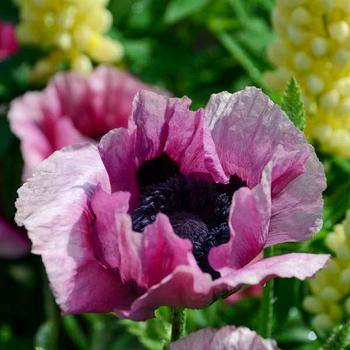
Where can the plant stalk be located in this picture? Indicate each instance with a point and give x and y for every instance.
(266, 316)
(178, 323)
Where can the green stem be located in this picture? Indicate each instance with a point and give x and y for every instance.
(241, 56)
(266, 321)
(178, 323)
(75, 332)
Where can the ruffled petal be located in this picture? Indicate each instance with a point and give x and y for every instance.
(24, 116)
(297, 265)
(163, 250)
(54, 207)
(105, 206)
(70, 110)
(249, 131)
(196, 341)
(185, 287)
(296, 213)
(111, 94)
(249, 224)
(166, 125)
(225, 338)
(241, 338)
(117, 150)
(13, 243)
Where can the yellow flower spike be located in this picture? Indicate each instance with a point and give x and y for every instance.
(82, 64)
(73, 28)
(322, 322)
(313, 305)
(313, 45)
(329, 298)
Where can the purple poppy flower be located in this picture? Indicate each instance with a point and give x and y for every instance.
(13, 243)
(225, 338)
(70, 110)
(175, 208)
(8, 40)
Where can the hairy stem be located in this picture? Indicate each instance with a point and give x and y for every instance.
(178, 323)
(266, 310)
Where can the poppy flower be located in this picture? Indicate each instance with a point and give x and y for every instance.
(8, 41)
(225, 338)
(71, 109)
(175, 208)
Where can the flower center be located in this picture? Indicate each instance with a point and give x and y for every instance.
(198, 210)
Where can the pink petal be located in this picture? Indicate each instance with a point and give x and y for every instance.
(112, 93)
(249, 223)
(225, 338)
(13, 243)
(196, 341)
(105, 206)
(117, 152)
(163, 250)
(129, 250)
(70, 110)
(166, 125)
(242, 338)
(25, 114)
(249, 118)
(54, 207)
(8, 40)
(297, 265)
(297, 211)
(247, 129)
(185, 287)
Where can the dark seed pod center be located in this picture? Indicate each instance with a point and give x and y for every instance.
(197, 210)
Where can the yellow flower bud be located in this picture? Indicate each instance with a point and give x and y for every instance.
(313, 45)
(322, 322)
(67, 27)
(335, 312)
(313, 305)
(339, 31)
(330, 294)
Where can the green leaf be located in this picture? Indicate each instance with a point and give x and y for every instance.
(179, 9)
(339, 339)
(8, 11)
(152, 334)
(46, 336)
(75, 332)
(241, 55)
(292, 103)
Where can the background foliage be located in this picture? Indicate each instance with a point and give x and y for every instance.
(189, 47)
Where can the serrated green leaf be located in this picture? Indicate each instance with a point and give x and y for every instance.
(292, 103)
(179, 9)
(339, 339)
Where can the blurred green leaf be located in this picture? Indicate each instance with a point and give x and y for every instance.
(339, 339)
(75, 332)
(292, 103)
(241, 56)
(154, 333)
(46, 337)
(8, 11)
(6, 137)
(179, 9)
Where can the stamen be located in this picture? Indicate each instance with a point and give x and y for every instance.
(197, 210)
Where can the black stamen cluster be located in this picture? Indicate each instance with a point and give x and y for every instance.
(197, 210)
